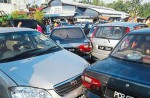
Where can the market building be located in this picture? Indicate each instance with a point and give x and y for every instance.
(7, 6)
(59, 9)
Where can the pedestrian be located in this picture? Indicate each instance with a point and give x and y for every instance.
(129, 19)
(19, 24)
(148, 21)
(39, 28)
(48, 29)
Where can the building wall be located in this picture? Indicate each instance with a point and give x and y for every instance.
(11, 5)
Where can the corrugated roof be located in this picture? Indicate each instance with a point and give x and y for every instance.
(87, 5)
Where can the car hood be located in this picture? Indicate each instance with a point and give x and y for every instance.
(45, 71)
(131, 71)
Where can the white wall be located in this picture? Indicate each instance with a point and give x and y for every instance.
(7, 8)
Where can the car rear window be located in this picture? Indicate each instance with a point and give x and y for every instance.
(71, 33)
(110, 32)
(134, 48)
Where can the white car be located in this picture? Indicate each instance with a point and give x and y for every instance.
(33, 66)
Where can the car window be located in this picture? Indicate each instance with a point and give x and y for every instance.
(15, 43)
(134, 48)
(110, 32)
(73, 33)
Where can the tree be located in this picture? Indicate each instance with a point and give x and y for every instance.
(119, 6)
(95, 2)
(38, 15)
(135, 7)
(74, 0)
(84, 1)
(144, 10)
(19, 14)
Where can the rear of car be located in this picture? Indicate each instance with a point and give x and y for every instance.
(125, 73)
(107, 36)
(73, 39)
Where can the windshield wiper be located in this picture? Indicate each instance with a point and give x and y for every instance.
(48, 50)
(20, 55)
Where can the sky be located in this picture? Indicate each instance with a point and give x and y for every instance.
(105, 1)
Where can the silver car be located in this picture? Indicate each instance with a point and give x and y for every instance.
(33, 66)
(108, 35)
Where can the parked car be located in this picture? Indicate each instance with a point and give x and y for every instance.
(33, 66)
(73, 39)
(28, 23)
(108, 35)
(125, 73)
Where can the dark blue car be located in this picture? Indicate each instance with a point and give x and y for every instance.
(125, 73)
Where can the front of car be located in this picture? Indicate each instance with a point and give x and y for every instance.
(33, 66)
(125, 72)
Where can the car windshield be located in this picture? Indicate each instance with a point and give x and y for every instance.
(134, 48)
(65, 34)
(16, 43)
(110, 32)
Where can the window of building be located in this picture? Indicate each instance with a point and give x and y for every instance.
(5, 1)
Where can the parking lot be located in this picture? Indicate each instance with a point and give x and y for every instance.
(73, 50)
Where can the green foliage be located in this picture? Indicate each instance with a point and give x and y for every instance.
(144, 10)
(18, 15)
(74, 0)
(84, 1)
(133, 7)
(38, 15)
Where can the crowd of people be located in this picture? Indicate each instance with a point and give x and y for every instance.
(56, 23)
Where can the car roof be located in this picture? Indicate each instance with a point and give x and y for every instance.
(66, 27)
(141, 31)
(124, 24)
(14, 29)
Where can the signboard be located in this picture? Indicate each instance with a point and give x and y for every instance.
(56, 10)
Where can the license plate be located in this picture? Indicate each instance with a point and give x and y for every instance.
(105, 48)
(121, 95)
(71, 50)
(115, 94)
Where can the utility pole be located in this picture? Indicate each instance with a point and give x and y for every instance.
(34, 3)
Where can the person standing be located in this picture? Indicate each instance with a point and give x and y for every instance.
(148, 21)
(48, 29)
(19, 24)
(39, 28)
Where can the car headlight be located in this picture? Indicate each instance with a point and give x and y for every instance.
(29, 92)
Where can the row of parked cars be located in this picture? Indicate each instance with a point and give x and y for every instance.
(34, 66)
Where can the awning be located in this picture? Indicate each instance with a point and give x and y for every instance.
(59, 15)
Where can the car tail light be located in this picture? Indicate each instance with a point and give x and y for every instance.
(85, 48)
(90, 82)
(127, 30)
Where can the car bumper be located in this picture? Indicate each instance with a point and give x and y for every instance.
(89, 94)
(73, 94)
(97, 56)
